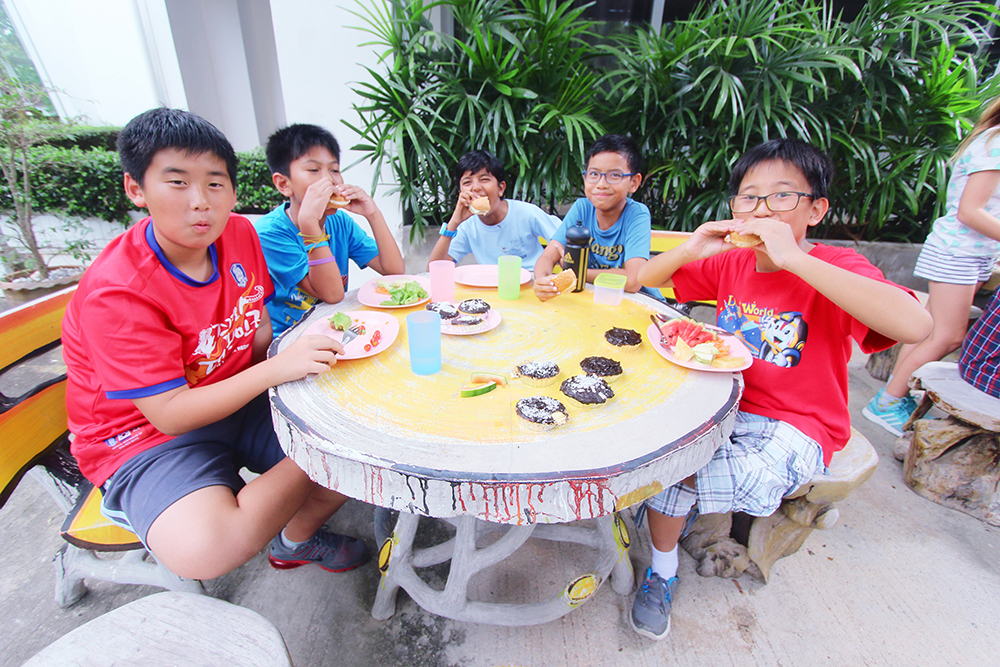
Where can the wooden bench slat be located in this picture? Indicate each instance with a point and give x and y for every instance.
(28, 430)
(946, 388)
(31, 326)
(87, 528)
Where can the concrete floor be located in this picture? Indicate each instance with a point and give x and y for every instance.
(900, 581)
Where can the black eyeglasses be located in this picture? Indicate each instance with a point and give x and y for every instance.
(612, 177)
(776, 201)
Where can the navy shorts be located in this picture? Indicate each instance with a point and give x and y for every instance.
(153, 480)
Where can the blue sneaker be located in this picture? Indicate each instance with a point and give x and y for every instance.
(332, 552)
(650, 615)
(891, 418)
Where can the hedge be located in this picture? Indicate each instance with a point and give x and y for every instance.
(88, 182)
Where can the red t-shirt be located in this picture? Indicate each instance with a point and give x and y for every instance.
(137, 327)
(800, 339)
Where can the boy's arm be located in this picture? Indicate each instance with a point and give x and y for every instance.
(704, 242)
(458, 216)
(389, 260)
(186, 408)
(552, 255)
(323, 281)
(262, 338)
(882, 307)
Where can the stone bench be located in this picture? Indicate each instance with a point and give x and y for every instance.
(954, 461)
(727, 545)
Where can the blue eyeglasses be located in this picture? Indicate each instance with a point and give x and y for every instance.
(612, 177)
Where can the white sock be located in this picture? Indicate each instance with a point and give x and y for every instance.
(887, 400)
(287, 543)
(665, 562)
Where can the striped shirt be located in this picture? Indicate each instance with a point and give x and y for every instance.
(979, 363)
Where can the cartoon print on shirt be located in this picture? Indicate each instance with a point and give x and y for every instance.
(778, 338)
(216, 341)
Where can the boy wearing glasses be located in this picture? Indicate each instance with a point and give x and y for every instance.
(797, 305)
(619, 226)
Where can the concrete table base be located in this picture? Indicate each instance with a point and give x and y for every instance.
(398, 561)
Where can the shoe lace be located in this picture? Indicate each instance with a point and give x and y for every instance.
(661, 596)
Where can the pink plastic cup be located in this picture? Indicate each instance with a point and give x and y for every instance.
(443, 280)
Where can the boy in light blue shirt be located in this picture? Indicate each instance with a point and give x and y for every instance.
(509, 227)
(620, 227)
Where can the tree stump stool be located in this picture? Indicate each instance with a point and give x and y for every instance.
(954, 461)
(727, 545)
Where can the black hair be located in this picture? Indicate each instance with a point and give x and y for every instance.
(290, 143)
(811, 161)
(474, 161)
(159, 129)
(617, 143)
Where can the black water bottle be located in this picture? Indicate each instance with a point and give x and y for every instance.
(577, 255)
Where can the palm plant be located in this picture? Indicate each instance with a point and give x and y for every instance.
(515, 79)
(887, 94)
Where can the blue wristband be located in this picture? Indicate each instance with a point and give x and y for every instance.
(447, 232)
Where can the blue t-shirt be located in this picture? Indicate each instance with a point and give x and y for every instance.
(610, 248)
(288, 262)
(517, 234)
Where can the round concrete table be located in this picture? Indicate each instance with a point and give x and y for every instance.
(375, 431)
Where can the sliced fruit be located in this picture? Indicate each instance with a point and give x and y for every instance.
(480, 377)
(704, 353)
(728, 361)
(682, 351)
(468, 391)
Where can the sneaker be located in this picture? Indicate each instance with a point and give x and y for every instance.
(650, 615)
(891, 418)
(332, 552)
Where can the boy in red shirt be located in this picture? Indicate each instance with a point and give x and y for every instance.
(165, 343)
(796, 305)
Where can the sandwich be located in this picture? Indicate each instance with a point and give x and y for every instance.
(480, 206)
(744, 240)
(564, 281)
(338, 201)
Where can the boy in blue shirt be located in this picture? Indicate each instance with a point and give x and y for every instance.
(307, 241)
(620, 227)
(509, 227)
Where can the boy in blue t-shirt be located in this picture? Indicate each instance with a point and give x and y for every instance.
(620, 227)
(509, 227)
(307, 241)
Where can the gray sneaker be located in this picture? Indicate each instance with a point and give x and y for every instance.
(650, 615)
(332, 552)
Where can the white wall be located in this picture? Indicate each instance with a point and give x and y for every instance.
(96, 55)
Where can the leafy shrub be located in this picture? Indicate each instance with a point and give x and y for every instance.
(515, 80)
(85, 137)
(88, 184)
(887, 95)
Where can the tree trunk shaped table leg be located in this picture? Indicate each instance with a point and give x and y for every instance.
(398, 558)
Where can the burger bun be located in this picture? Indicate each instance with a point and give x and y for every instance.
(338, 201)
(744, 240)
(480, 206)
(564, 281)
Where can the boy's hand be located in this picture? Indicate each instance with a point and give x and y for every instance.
(462, 212)
(779, 240)
(307, 355)
(312, 211)
(710, 239)
(361, 201)
(544, 289)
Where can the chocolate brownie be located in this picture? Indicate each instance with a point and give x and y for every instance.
(446, 310)
(542, 411)
(587, 389)
(474, 307)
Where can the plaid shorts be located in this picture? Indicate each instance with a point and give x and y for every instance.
(762, 461)
(941, 267)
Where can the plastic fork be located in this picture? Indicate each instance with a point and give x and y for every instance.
(350, 335)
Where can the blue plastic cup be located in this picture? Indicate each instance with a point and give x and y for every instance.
(423, 332)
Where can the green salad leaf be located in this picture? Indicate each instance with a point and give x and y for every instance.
(403, 293)
(340, 321)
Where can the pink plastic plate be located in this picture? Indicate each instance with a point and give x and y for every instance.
(369, 297)
(482, 275)
(492, 321)
(372, 321)
(736, 349)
